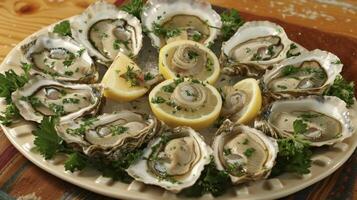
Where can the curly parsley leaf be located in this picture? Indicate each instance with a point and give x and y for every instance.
(47, 142)
(76, 161)
(11, 113)
(342, 89)
(10, 81)
(294, 156)
(299, 126)
(63, 28)
(134, 7)
(211, 181)
(231, 21)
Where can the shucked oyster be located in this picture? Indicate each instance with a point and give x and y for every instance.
(256, 46)
(45, 97)
(61, 58)
(187, 58)
(173, 161)
(322, 120)
(110, 135)
(104, 31)
(244, 153)
(186, 19)
(310, 73)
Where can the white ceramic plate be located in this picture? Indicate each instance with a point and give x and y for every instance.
(325, 160)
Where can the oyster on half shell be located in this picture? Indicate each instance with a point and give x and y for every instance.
(322, 120)
(105, 30)
(173, 161)
(256, 46)
(310, 73)
(60, 57)
(184, 19)
(244, 153)
(109, 135)
(46, 97)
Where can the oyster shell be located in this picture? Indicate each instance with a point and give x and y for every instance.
(256, 46)
(173, 161)
(60, 57)
(310, 73)
(46, 97)
(104, 31)
(322, 120)
(189, 19)
(244, 153)
(110, 135)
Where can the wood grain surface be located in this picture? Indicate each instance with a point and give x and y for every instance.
(326, 24)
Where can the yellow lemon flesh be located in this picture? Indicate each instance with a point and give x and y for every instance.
(116, 87)
(186, 58)
(184, 102)
(251, 88)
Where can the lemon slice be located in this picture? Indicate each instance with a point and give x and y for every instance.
(117, 87)
(243, 101)
(186, 58)
(185, 102)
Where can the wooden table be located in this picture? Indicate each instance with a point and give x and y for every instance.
(325, 24)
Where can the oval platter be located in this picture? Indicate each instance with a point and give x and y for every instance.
(325, 160)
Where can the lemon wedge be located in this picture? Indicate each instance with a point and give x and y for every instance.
(186, 58)
(116, 86)
(243, 101)
(185, 102)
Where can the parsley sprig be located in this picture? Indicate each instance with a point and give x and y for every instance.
(10, 82)
(211, 181)
(63, 28)
(342, 89)
(231, 21)
(294, 153)
(134, 7)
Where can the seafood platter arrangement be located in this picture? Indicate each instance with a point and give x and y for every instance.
(168, 99)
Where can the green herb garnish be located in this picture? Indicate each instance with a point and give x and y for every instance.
(342, 89)
(231, 21)
(158, 100)
(134, 7)
(63, 28)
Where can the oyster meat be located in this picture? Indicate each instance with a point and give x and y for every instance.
(105, 30)
(256, 46)
(244, 153)
(60, 57)
(46, 97)
(187, 58)
(310, 73)
(173, 161)
(185, 19)
(322, 120)
(109, 135)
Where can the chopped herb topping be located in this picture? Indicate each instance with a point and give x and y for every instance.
(165, 32)
(82, 127)
(158, 100)
(197, 36)
(132, 76)
(70, 100)
(57, 109)
(118, 129)
(117, 43)
(227, 152)
(249, 152)
(148, 76)
(168, 88)
(246, 141)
